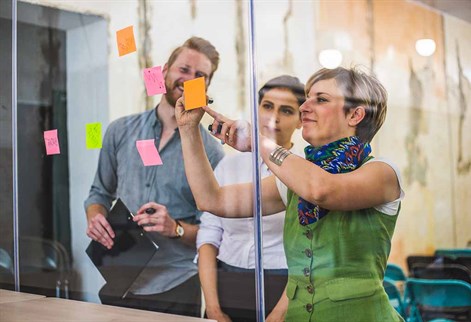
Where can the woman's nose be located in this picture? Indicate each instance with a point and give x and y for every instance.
(303, 107)
(272, 121)
(275, 117)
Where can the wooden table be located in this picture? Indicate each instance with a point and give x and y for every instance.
(12, 296)
(61, 310)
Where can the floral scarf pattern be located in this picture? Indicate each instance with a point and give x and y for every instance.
(341, 156)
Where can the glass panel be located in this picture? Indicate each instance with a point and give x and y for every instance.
(6, 152)
(342, 257)
(50, 53)
(71, 77)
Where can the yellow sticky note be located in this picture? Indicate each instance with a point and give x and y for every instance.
(94, 140)
(126, 42)
(195, 93)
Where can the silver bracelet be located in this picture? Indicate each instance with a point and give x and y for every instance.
(278, 155)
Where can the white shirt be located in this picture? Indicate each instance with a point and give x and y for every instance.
(235, 237)
(389, 208)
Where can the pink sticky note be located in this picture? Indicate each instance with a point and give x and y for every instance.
(148, 152)
(52, 142)
(154, 80)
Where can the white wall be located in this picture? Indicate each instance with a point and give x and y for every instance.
(103, 86)
(87, 102)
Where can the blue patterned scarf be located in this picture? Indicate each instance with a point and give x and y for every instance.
(341, 156)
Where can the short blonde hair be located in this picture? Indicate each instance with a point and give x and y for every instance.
(202, 46)
(359, 89)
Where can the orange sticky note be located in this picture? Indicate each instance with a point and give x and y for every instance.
(126, 42)
(195, 93)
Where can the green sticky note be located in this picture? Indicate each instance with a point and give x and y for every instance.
(94, 136)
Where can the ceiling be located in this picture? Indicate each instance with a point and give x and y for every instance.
(459, 8)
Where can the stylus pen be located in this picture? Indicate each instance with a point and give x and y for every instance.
(142, 233)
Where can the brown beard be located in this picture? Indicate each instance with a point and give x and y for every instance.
(170, 99)
(169, 96)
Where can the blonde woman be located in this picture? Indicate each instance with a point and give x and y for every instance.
(341, 203)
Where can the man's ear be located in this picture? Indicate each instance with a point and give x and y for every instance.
(165, 70)
(208, 79)
(356, 115)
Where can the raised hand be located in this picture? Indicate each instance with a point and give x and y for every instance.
(187, 118)
(236, 133)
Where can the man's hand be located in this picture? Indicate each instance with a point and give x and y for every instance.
(159, 221)
(236, 133)
(100, 230)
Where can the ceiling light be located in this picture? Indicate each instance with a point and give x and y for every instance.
(425, 47)
(330, 58)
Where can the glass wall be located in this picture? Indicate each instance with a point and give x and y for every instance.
(79, 75)
(6, 173)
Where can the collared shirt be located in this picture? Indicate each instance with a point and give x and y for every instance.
(121, 174)
(235, 237)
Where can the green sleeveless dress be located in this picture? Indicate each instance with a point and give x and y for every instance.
(336, 266)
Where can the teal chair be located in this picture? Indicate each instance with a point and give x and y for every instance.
(6, 264)
(7, 279)
(442, 272)
(395, 273)
(438, 300)
(394, 296)
(453, 252)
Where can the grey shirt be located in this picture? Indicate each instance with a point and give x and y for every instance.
(122, 174)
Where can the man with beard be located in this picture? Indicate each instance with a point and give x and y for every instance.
(169, 282)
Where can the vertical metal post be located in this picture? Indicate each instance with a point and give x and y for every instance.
(257, 187)
(14, 116)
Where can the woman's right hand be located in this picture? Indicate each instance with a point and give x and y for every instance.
(187, 118)
(218, 315)
(236, 133)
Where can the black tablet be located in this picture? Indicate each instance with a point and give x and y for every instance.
(131, 251)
